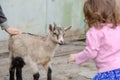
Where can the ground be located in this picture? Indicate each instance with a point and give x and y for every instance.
(61, 69)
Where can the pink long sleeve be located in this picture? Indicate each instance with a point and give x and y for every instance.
(91, 49)
(102, 46)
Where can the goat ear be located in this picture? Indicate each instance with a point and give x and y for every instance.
(67, 28)
(50, 27)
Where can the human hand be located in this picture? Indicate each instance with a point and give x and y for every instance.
(71, 58)
(13, 31)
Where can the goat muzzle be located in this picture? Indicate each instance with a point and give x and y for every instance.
(61, 43)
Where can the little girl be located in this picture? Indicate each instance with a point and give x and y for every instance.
(102, 39)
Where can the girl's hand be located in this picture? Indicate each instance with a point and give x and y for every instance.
(71, 58)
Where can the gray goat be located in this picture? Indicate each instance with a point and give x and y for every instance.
(34, 50)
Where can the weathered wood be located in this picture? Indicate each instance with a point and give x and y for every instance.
(76, 34)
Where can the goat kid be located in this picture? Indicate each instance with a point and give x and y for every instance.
(34, 50)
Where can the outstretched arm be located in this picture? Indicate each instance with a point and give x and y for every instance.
(90, 51)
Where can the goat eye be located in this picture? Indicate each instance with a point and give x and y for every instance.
(55, 33)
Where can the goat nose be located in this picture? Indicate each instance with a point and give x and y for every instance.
(61, 42)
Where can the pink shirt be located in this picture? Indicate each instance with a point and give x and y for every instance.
(103, 46)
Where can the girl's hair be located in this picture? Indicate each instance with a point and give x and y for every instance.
(100, 11)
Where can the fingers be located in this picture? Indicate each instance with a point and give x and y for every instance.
(71, 58)
(68, 61)
(13, 31)
(17, 32)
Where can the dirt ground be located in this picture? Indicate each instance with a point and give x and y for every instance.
(61, 69)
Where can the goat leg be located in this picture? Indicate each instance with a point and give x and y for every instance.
(11, 72)
(19, 63)
(35, 69)
(49, 74)
(18, 73)
(12, 69)
(36, 76)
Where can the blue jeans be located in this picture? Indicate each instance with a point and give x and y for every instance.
(110, 75)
